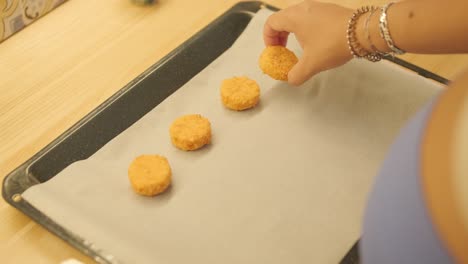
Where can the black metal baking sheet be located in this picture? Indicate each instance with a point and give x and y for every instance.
(130, 104)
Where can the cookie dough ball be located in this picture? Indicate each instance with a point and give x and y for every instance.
(149, 175)
(190, 132)
(240, 93)
(277, 61)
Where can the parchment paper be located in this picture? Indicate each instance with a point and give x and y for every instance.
(283, 183)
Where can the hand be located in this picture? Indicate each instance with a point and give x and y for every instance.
(320, 29)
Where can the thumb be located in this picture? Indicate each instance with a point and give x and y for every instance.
(304, 69)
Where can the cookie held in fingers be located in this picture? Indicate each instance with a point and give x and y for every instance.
(190, 132)
(277, 61)
(149, 175)
(240, 93)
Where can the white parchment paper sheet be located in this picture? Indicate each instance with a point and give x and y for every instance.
(285, 182)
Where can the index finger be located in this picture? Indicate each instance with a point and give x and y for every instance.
(277, 29)
(272, 37)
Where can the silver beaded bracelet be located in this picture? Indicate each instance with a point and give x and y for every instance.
(385, 32)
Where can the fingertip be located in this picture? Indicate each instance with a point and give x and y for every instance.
(268, 41)
(271, 36)
(296, 74)
(292, 80)
(267, 34)
(301, 72)
(284, 41)
(275, 41)
(297, 80)
(276, 38)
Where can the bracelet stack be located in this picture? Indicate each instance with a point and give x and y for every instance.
(356, 49)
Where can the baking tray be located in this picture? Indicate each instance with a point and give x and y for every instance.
(130, 104)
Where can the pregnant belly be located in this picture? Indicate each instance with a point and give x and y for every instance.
(418, 209)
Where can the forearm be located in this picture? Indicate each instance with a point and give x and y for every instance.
(421, 26)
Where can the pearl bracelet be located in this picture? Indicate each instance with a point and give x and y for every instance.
(356, 49)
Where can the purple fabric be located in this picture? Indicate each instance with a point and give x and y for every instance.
(397, 227)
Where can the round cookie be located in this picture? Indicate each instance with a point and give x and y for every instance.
(240, 93)
(149, 175)
(190, 132)
(277, 61)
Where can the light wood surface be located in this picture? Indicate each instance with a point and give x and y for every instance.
(61, 67)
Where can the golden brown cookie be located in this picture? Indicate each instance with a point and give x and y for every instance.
(277, 61)
(149, 175)
(190, 132)
(240, 93)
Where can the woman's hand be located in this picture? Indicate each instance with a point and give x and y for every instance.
(320, 29)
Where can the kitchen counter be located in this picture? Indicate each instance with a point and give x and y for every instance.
(55, 71)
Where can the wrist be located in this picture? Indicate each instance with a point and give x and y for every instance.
(373, 31)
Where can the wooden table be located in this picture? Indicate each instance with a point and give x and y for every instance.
(61, 67)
